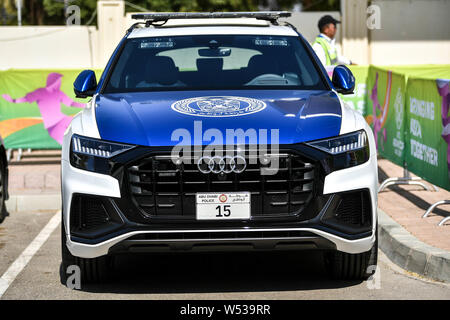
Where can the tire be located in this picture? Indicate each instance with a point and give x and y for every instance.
(95, 270)
(346, 266)
(3, 191)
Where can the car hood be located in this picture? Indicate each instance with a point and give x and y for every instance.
(161, 118)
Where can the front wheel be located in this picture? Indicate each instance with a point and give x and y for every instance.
(95, 270)
(347, 266)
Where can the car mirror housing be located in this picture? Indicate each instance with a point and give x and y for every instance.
(85, 84)
(343, 80)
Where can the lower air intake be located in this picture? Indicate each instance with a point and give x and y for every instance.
(354, 209)
(350, 212)
(87, 213)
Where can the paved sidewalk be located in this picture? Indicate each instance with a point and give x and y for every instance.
(34, 179)
(407, 203)
(34, 187)
(35, 172)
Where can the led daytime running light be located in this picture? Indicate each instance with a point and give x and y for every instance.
(351, 146)
(91, 151)
(96, 148)
(344, 143)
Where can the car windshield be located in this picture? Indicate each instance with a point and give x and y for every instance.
(206, 62)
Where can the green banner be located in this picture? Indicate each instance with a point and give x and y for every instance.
(428, 130)
(357, 100)
(36, 106)
(385, 112)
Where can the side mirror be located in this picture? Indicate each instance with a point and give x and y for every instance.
(343, 80)
(85, 84)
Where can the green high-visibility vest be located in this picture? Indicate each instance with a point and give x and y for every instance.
(330, 54)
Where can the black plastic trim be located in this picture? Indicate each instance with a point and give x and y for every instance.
(247, 244)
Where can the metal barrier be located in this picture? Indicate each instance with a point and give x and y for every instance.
(33, 156)
(406, 179)
(433, 206)
(9, 154)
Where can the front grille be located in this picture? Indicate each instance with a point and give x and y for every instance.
(163, 187)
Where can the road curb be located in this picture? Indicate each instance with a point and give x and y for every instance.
(33, 202)
(409, 253)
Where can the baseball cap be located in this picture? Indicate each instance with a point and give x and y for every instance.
(326, 20)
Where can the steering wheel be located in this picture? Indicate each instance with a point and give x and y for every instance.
(267, 77)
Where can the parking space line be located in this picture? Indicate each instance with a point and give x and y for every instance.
(20, 263)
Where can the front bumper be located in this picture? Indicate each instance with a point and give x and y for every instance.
(122, 234)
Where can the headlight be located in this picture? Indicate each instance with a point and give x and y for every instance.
(348, 142)
(347, 150)
(93, 154)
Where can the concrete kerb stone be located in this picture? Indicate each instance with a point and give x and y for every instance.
(438, 266)
(33, 202)
(411, 254)
(417, 260)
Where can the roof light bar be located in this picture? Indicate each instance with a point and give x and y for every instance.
(164, 16)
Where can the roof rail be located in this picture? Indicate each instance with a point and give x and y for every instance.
(271, 16)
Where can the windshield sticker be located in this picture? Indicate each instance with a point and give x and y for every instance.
(218, 106)
(157, 44)
(271, 42)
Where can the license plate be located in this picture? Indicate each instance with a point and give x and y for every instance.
(223, 206)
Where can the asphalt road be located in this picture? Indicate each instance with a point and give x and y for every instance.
(225, 276)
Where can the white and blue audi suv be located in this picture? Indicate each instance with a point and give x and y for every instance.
(217, 131)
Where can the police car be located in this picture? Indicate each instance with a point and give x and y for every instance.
(217, 131)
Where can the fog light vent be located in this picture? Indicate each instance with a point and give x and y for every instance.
(350, 212)
(87, 213)
(354, 209)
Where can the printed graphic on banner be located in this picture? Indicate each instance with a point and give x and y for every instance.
(387, 119)
(36, 107)
(49, 100)
(378, 121)
(443, 87)
(357, 100)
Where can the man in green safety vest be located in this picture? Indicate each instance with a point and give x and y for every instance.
(325, 46)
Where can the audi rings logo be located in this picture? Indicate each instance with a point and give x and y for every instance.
(226, 164)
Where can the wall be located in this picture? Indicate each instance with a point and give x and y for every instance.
(413, 32)
(111, 27)
(48, 47)
(355, 43)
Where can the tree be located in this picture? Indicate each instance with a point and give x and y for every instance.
(321, 5)
(7, 11)
(198, 5)
(52, 12)
(56, 10)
